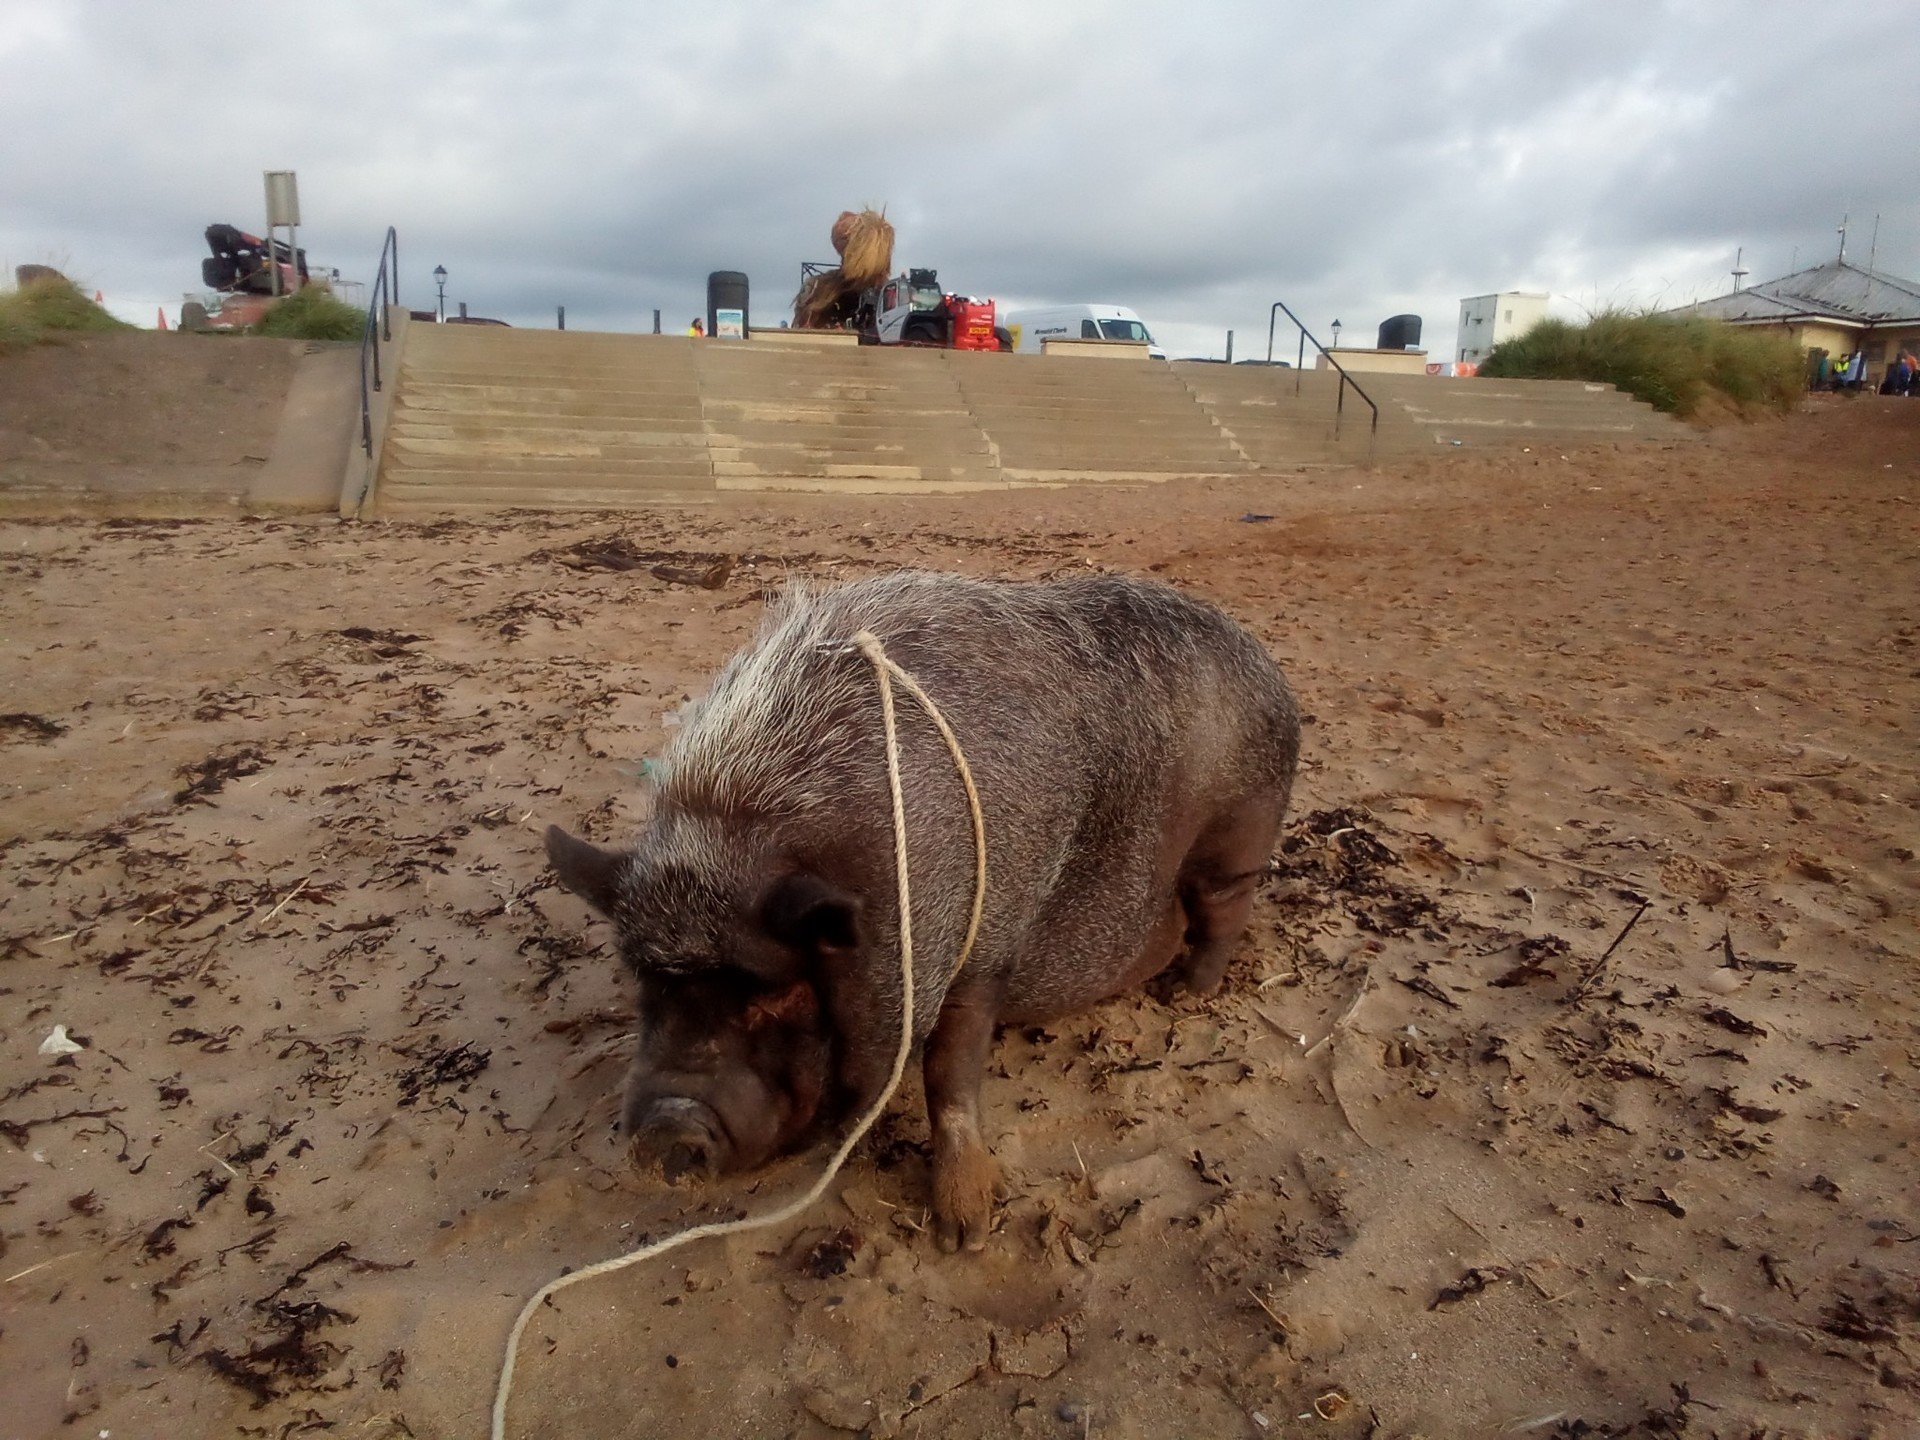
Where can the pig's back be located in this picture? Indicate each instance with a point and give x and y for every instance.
(1096, 714)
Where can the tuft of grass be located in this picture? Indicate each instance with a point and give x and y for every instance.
(316, 313)
(1673, 362)
(46, 309)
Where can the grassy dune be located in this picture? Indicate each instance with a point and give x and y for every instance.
(44, 309)
(1674, 363)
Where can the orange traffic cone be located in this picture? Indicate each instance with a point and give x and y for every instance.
(161, 314)
(98, 298)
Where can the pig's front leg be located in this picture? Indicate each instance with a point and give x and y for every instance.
(965, 1177)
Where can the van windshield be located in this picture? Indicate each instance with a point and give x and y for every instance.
(1124, 330)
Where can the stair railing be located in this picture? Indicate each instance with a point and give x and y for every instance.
(386, 294)
(1299, 365)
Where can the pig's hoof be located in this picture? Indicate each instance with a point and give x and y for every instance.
(1203, 974)
(964, 1185)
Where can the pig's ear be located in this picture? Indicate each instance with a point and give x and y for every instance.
(585, 869)
(807, 914)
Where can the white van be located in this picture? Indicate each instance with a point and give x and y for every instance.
(1076, 322)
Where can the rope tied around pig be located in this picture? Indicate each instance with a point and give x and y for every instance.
(887, 674)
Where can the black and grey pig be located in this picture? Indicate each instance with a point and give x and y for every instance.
(1134, 751)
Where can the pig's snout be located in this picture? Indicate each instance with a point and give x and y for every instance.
(681, 1136)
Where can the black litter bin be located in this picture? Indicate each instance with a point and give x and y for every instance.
(1399, 332)
(727, 305)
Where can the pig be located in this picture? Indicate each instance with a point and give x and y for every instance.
(1134, 751)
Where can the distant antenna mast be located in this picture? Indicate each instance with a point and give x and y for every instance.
(1873, 246)
(1843, 239)
(1740, 271)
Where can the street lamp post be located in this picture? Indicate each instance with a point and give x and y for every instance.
(440, 279)
(1336, 334)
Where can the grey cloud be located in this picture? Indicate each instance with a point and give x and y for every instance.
(1194, 162)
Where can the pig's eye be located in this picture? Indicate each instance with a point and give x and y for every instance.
(644, 959)
(739, 982)
(705, 983)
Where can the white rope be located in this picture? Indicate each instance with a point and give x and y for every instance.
(886, 672)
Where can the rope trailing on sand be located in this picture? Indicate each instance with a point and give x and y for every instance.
(887, 674)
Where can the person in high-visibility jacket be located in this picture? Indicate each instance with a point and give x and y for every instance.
(698, 327)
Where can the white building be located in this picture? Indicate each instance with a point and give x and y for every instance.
(1486, 320)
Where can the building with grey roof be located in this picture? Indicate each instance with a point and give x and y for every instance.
(1836, 308)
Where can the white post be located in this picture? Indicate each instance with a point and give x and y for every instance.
(283, 208)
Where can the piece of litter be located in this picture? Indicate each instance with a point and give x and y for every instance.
(1252, 519)
(58, 1042)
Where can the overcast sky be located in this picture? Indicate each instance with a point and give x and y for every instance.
(1193, 161)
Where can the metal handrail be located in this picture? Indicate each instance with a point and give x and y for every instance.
(1299, 364)
(386, 294)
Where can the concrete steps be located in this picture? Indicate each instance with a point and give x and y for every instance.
(1281, 416)
(1505, 413)
(1276, 424)
(796, 418)
(1049, 417)
(461, 492)
(485, 418)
